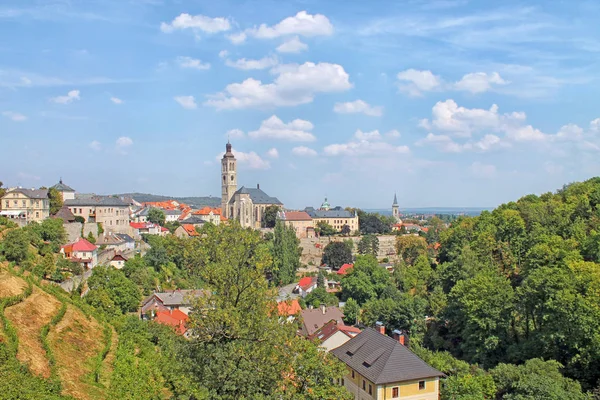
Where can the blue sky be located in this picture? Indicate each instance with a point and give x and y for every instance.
(447, 103)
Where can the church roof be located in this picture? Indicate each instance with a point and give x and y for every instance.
(395, 200)
(325, 205)
(61, 187)
(334, 213)
(258, 196)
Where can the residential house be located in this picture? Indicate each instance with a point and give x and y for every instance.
(186, 231)
(344, 269)
(289, 309)
(195, 220)
(112, 241)
(82, 252)
(139, 228)
(170, 215)
(300, 221)
(381, 367)
(129, 241)
(65, 214)
(337, 217)
(174, 318)
(118, 261)
(333, 334)
(174, 300)
(306, 285)
(314, 319)
(66, 192)
(25, 205)
(111, 212)
(209, 214)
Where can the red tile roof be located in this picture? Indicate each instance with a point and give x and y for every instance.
(174, 318)
(137, 225)
(207, 210)
(352, 330)
(297, 216)
(163, 229)
(344, 269)
(307, 282)
(118, 257)
(190, 230)
(289, 307)
(80, 245)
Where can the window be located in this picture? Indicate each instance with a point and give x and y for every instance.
(395, 393)
(37, 214)
(352, 374)
(80, 211)
(7, 204)
(23, 203)
(343, 382)
(364, 385)
(421, 385)
(370, 389)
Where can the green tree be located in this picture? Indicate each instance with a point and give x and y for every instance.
(368, 244)
(409, 247)
(156, 216)
(321, 280)
(48, 265)
(336, 254)
(286, 252)
(80, 219)
(56, 201)
(15, 245)
(351, 311)
(270, 216)
(324, 229)
(320, 296)
(124, 293)
(90, 238)
(345, 230)
(415, 279)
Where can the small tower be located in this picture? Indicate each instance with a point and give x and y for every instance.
(325, 205)
(395, 210)
(228, 179)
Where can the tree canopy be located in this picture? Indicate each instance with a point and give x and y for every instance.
(336, 254)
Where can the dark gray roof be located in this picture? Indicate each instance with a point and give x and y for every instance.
(194, 220)
(32, 193)
(124, 237)
(335, 213)
(65, 214)
(97, 201)
(61, 187)
(382, 359)
(177, 297)
(172, 212)
(258, 196)
(395, 203)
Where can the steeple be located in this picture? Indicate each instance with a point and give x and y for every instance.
(395, 209)
(228, 180)
(395, 203)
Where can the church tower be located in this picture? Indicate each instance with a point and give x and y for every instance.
(228, 179)
(395, 210)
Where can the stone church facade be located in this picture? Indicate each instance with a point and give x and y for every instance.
(247, 205)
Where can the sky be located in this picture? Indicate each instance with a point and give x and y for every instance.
(454, 103)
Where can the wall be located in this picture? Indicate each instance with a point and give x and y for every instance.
(410, 390)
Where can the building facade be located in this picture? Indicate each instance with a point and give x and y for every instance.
(111, 212)
(247, 205)
(300, 221)
(337, 217)
(65, 191)
(26, 205)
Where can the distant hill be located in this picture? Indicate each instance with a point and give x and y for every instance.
(193, 201)
(472, 211)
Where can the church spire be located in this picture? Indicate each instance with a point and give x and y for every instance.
(395, 200)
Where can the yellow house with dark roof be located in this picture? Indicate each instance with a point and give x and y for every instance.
(381, 367)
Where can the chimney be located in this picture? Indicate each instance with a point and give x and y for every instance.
(401, 337)
(258, 185)
(323, 308)
(380, 327)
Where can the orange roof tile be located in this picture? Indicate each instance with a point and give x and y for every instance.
(289, 307)
(344, 269)
(190, 229)
(174, 318)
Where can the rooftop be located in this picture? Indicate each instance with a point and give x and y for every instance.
(61, 187)
(31, 193)
(258, 196)
(106, 201)
(314, 319)
(297, 216)
(337, 212)
(176, 297)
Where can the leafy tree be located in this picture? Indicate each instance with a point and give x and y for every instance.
(345, 230)
(368, 244)
(435, 227)
(402, 311)
(124, 293)
(321, 280)
(270, 216)
(415, 279)
(409, 247)
(286, 252)
(48, 265)
(336, 254)
(374, 223)
(80, 219)
(156, 216)
(351, 311)
(56, 201)
(90, 238)
(320, 296)
(2, 190)
(16, 245)
(324, 229)
(366, 280)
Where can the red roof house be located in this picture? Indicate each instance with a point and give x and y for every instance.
(306, 285)
(175, 318)
(82, 251)
(344, 269)
(288, 308)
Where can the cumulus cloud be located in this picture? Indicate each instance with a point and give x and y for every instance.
(235, 134)
(273, 153)
(446, 144)
(302, 24)
(196, 23)
(393, 134)
(245, 64)
(95, 145)
(237, 38)
(295, 84)
(193, 63)
(364, 148)
(482, 170)
(186, 102)
(297, 130)
(292, 45)
(358, 106)
(123, 144)
(17, 117)
(304, 151)
(223, 54)
(251, 160)
(479, 82)
(415, 82)
(116, 100)
(373, 135)
(69, 98)
(595, 125)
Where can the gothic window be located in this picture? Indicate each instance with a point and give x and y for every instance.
(224, 179)
(231, 178)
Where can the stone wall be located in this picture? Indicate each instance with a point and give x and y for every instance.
(310, 252)
(74, 230)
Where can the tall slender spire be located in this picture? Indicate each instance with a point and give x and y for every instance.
(395, 200)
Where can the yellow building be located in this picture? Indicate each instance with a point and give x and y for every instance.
(300, 221)
(337, 217)
(26, 205)
(381, 367)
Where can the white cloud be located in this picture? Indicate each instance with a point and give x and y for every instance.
(273, 153)
(414, 82)
(235, 134)
(364, 148)
(373, 135)
(123, 144)
(570, 132)
(393, 134)
(297, 130)
(189, 62)
(482, 170)
(294, 85)
(292, 45)
(479, 82)
(70, 97)
(446, 144)
(358, 106)
(26, 81)
(223, 54)
(237, 38)
(14, 116)
(95, 145)
(304, 151)
(251, 160)
(196, 23)
(525, 134)
(595, 125)
(245, 64)
(302, 24)
(116, 100)
(186, 102)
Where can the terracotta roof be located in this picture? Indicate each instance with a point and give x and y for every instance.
(289, 307)
(174, 318)
(190, 230)
(307, 282)
(344, 269)
(326, 331)
(163, 229)
(352, 330)
(297, 216)
(80, 245)
(207, 210)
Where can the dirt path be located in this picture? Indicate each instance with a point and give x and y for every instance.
(75, 342)
(28, 318)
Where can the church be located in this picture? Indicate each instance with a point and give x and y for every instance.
(247, 205)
